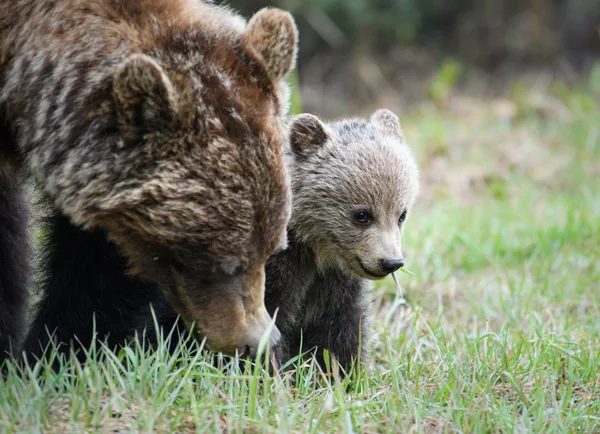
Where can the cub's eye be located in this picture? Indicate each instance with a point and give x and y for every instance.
(363, 217)
(402, 217)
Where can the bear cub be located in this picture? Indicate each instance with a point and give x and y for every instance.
(353, 185)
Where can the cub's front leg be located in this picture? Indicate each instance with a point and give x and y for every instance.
(337, 318)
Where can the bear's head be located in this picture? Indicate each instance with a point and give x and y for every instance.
(204, 196)
(353, 183)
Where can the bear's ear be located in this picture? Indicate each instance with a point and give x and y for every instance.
(273, 35)
(388, 122)
(143, 94)
(307, 132)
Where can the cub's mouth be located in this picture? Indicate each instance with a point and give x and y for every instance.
(368, 272)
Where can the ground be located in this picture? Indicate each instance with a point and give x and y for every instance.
(502, 330)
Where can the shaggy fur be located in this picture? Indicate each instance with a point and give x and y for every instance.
(320, 284)
(157, 123)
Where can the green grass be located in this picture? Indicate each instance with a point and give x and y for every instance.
(502, 331)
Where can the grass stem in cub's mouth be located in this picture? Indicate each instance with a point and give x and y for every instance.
(404, 270)
(398, 285)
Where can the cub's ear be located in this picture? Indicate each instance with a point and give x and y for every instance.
(307, 132)
(388, 122)
(273, 35)
(143, 94)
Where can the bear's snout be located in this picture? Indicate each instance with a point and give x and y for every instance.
(259, 324)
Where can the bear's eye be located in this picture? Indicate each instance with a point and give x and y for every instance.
(363, 217)
(402, 217)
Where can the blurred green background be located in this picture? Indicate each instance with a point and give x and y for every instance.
(359, 54)
(484, 31)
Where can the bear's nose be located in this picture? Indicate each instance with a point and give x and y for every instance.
(391, 265)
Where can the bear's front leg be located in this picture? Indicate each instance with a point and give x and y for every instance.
(85, 292)
(13, 259)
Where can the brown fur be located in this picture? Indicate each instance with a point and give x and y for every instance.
(160, 122)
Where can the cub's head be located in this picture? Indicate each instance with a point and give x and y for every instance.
(354, 183)
(204, 196)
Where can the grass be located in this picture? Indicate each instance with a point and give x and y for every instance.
(502, 331)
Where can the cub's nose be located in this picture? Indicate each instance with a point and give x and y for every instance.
(391, 265)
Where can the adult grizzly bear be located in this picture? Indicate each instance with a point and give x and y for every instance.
(154, 127)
